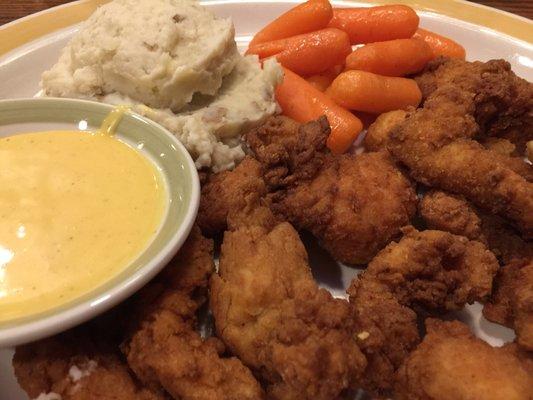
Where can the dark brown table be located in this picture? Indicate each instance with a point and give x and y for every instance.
(13, 9)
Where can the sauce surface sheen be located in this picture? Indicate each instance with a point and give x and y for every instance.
(76, 209)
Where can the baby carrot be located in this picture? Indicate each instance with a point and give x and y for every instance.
(376, 24)
(303, 103)
(441, 45)
(320, 82)
(391, 58)
(368, 92)
(307, 17)
(323, 80)
(309, 53)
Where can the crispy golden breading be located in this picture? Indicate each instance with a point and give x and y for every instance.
(506, 153)
(503, 102)
(225, 189)
(454, 214)
(511, 303)
(166, 352)
(76, 367)
(270, 312)
(430, 271)
(452, 364)
(377, 136)
(435, 144)
(354, 205)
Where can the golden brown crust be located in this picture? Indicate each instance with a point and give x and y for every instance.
(98, 371)
(454, 214)
(435, 144)
(166, 352)
(377, 136)
(227, 189)
(354, 205)
(511, 303)
(429, 271)
(503, 102)
(270, 313)
(452, 364)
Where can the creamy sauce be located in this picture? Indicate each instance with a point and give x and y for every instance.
(75, 209)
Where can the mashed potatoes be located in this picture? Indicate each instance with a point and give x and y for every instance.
(176, 63)
(157, 52)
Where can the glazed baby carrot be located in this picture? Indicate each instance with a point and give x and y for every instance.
(309, 53)
(323, 80)
(368, 92)
(303, 103)
(307, 17)
(320, 82)
(391, 58)
(441, 45)
(376, 24)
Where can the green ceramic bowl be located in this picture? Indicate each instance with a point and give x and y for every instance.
(183, 188)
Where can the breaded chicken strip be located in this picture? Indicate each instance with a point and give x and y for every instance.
(435, 144)
(166, 352)
(454, 214)
(354, 204)
(452, 364)
(506, 153)
(511, 303)
(270, 312)
(429, 271)
(503, 102)
(228, 189)
(378, 137)
(75, 367)
(378, 134)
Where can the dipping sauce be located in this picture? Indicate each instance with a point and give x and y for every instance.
(76, 209)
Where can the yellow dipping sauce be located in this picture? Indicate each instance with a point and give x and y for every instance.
(75, 210)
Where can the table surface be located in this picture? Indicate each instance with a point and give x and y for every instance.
(13, 9)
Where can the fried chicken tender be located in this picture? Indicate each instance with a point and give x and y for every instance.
(454, 214)
(354, 204)
(511, 303)
(270, 312)
(429, 271)
(452, 364)
(435, 144)
(166, 352)
(228, 189)
(77, 367)
(503, 102)
(377, 135)
(506, 153)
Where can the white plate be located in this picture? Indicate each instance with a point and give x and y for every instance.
(21, 68)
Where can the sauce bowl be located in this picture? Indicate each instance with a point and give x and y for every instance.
(183, 187)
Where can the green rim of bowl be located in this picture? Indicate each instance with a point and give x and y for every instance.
(161, 147)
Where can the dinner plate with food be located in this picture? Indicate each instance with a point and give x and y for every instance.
(266, 200)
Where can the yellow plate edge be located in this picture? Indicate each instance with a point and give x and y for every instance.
(24, 30)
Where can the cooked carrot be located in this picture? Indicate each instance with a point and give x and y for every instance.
(441, 45)
(320, 82)
(302, 102)
(391, 58)
(309, 53)
(307, 17)
(368, 92)
(376, 24)
(323, 80)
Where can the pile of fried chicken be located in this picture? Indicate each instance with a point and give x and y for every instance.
(277, 334)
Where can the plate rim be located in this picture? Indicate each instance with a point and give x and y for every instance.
(24, 30)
